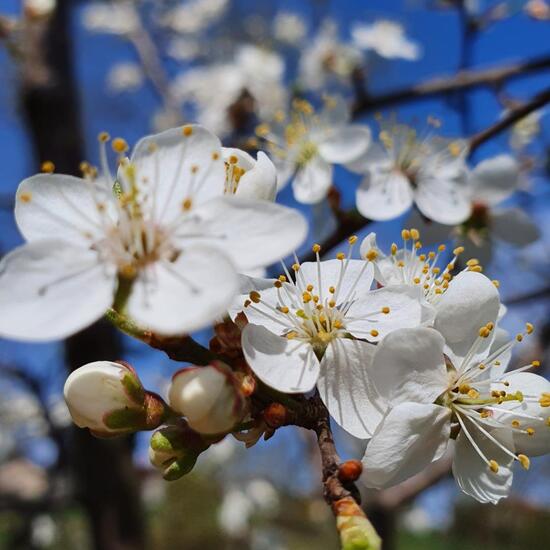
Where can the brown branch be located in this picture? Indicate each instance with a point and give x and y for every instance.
(464, 80)
(513, 116)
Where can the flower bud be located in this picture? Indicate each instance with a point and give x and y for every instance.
(174, 450)
(109, 399)
(209, 397)
(356, 531)
(350, 470)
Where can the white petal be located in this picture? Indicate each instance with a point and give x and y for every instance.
(408, 365)
(312, 182)
(532, 385)
(345, 144)
(384, 195)
(375, 157)
(51, 289)
(254, 233)
(408, 308)
(411, 436)
(470, 302)
(289, 366)
(357, 278)
(494, 179)
(260, 179)
(473, 475)
(514, 226)
(178, 167)
(345, 389)
(185, 295)
(53, 206)
(246, 285)
(442, 196)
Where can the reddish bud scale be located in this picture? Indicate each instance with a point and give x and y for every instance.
(275, 415)
(350, 471)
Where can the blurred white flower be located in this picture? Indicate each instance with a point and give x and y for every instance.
(125, 77)
(110, 17)
(194, 16)
(305, 147)
(404, 168)
(43, 531)
(327, 58)
(289, 28)
(538, 9)
(386, 38)
(264, 495)
(164, 247)
(184, 49)
(235, 512)
(526, 130)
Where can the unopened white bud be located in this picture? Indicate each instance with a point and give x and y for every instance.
(109, 399)
(209, 397)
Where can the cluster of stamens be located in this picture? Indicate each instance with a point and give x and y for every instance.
(233, 175)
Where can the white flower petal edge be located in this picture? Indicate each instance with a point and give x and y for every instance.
(514, 226)
(494, 179)
(345, 389)
(411, 436)
(289, 366)
(186, 294)
(345, 144)
(40, 283)
(312, 182)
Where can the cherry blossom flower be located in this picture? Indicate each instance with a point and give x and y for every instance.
(111, 17)
(386, 38)
(434, 385)
(306, 147)
(164, 247)
(125, 77)
(289, 28)
(404, 169)
(318, 327)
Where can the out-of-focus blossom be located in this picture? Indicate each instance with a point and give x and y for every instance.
(111, 17)
(526, 130)
(211, 90)
(39, 8)
(327, 59)
(235, 512)
(404, 168)
(289, 28)
(125, 77)
(194, 16)
(184, 49)
(307, 145)
(387, 39)
(158, 246)
(538, 9)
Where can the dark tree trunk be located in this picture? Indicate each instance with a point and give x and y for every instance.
(106, 480)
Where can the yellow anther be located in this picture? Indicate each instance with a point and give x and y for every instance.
(472, 262)
(316, 248)
(485, 414)
(524, 461)
(337, 324)
(473, 394)
(458, 250)
(306, 297)
(455, 148)
(418, 245)
(215, 155)
(493, 465)
(481, 366)
(187, 204)
(385, 310)
(529, 328)
(535, 363)
(400, 263)
(438, 291)
(415, 234)
(315, 298)
(441, 248)
(255, 296)
(484, 332)
(128, 271)
(284, 309)
(464, 388)
(282, 278)
(530, 431)
(405, 234)
(496, 283)
(340, 256)
(436, 271)
(515, 424)
(309, 288)
(490, 325)
(352, 239)
(332, 303)
(187, 130)
(393, 249)
(374, 332)
(47, 167)
(119, 145)
(301, 313)
(103, 137)
(247, 303)
(416, 280)
(296, 267)
(233, 159)
(544, 400)
(291, 335)
(194, 169)
(475, 268)
(371, 255)
(262, 130)
(519, 337)
(25, 197)
(277, 284)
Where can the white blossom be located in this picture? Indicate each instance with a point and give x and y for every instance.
(125, 77)
(289, 28)
(305, 147)
(386, 38)
(164, 247)
(429, 384)
(111, 17)
(194, 16)
(403, 169)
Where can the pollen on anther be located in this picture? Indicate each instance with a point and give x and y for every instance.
(524, 461)
(316, 248)
(374, 333)
(47, 167)
(340, 256)
(519, 337)
(187, 130)
(194, 169)
(25, 197)
(535, 363)
(282, 278)
(515, 424)
(233, 159)
(277, 284)
(255, 296)
(331, 289)
(296, 267)
(493, 465)
(187, 204)
(415, 234)
(458, 250)
(103, 137)
(529, 328)
(405, 234)
(385, 310)
(119, 145)
(371, 255)
(309, 288)
(352, 239)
